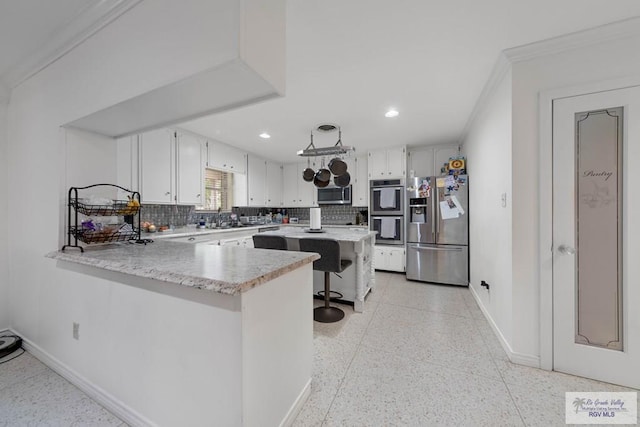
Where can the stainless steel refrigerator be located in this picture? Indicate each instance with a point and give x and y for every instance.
(438, 229)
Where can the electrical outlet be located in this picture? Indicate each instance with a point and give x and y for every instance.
(76, 331)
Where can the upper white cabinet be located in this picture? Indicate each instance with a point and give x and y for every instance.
(190, 171)
(360, 181)
(171, 168)
(274, 184)
(256, 185)
(442, 155)
(296, 191)
(226, 158)
(390, 163)
(127, 175)
(428, 160)
(264, 181)
(157, 166)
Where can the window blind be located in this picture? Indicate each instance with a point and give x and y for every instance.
(218, 187)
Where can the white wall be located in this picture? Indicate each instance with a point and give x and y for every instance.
(155, 43)
(605, 61)
(488, 149)
(4, 240)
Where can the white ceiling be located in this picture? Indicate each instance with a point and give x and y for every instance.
(349, 61)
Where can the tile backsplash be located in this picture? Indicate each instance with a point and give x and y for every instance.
(179, 216)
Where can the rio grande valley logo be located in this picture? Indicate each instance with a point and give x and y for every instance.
(601, 408)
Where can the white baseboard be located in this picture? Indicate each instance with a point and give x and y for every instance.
(297, 405)
(109, 402)
(515, 357)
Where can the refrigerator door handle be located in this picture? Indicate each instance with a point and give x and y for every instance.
(433, 215)
(422, 248)
(436, 206)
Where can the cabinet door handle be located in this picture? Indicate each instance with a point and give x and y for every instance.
(167, 193)
(198, 195)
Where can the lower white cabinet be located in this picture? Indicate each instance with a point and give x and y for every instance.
(389, 258)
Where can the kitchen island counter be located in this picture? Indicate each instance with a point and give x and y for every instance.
(356, 244)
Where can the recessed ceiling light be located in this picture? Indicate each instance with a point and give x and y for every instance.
(265, 135)
(391, 113)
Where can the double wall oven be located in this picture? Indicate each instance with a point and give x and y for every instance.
(387, 211)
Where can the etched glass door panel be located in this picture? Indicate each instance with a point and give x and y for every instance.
(598, 228)
(595, 256)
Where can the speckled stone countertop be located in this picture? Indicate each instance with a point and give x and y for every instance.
(344, 234)
(223, 269)
(193, 231)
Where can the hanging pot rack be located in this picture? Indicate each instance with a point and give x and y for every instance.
(337, 149)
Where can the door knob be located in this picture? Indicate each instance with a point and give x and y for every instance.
(566, 250)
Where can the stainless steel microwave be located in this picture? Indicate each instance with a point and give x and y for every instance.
(334, 195)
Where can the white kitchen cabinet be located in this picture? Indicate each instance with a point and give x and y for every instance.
(256, 185)
(190, 170)
(296, 191)
(157, 167)
(274, 184)
(264, 181)
(360, 181)
(171, 167)
(390, 163)
(290, 185)
(428, 160)
(127, 175)
(389, 258)
(225, 157)
(442, 155)
(247, 242)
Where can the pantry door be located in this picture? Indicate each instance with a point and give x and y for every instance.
(596, 213)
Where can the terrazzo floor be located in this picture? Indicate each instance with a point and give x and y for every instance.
(420, 355)
(424, 355)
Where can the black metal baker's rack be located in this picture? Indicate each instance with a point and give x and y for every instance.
(77, 232)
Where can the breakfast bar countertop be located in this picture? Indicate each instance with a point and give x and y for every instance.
(343, 234)
(223, 269)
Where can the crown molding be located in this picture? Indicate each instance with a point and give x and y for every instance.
(603, 33)
(88, 22)
(580, 39)
(500, 69)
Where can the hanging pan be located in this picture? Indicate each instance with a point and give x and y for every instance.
(308, 173)
(337, 166)
(342, 180)
(322, 177)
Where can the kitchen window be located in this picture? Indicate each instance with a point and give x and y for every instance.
(218, 190)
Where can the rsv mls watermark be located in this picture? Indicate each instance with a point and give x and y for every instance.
(601, 407)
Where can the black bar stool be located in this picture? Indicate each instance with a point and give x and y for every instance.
(269, 242)
(330, 262)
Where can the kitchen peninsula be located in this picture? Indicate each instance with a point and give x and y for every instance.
(206, 338)
(356, 244)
